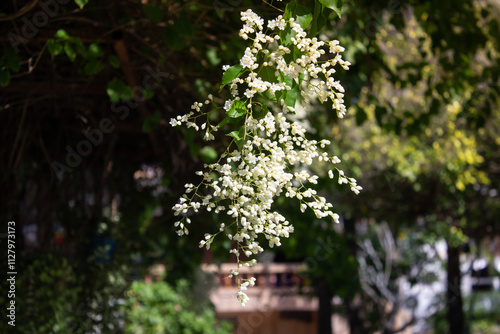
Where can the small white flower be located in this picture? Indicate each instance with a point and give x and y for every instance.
(243, 298)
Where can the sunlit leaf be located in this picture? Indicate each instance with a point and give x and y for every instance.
(118, 90)
(335, 5)
(95, 50)
(231, 73)
(55, 48)
(62, 34)
(70, 51)
(81, 3)
(208, 154)
(238, 109)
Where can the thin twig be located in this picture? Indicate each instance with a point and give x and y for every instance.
(21, 12)
(32, 67)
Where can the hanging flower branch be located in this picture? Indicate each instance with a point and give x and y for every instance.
(269, 154)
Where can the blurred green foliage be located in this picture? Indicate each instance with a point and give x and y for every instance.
(46, 296)
(161, 308)
(483, 314)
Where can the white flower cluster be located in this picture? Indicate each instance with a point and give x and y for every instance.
(308, 65)
(275, 153)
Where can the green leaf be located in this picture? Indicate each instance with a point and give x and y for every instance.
(302, 16)
(151, 122)
(153, 13)
(231, 73)
(78, 45)
(208, 154)
(62, 34)
(320, 17)
(173, 39)
(223, 122)
(95, 50)
(55, 48)
(275, 98)
(212, 57)
(118, 90)
(81, 3)
(238, 109)
(13, 60)
(286, 35)
(184, 25)
(113, 60)
(289, 10)
(335, 5)
(229, 120)
(70, 51)
(268, 74)
(238, 137)
(316, 15)
(4, 77)
(92, 67)
(259, 113)
(291, 95)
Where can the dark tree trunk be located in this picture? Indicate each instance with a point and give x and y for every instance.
(325, 307)
(353, 310)
(455, 313)
(353, 304)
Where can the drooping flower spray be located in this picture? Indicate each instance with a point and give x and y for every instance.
(269, 155)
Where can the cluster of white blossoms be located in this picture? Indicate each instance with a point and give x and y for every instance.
(309, 65)
(274, 154)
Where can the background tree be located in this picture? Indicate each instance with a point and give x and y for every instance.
(430, 101)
